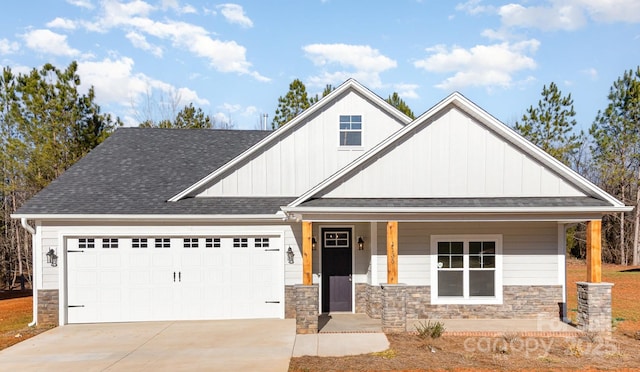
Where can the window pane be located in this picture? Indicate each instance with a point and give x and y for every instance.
(457, 261)
(457, 248)
(356, 118)
(345, 118)
(353, 138)
(443, 262)
(475, 262)
(489, 247)
(475, 247)
(443, 248)
(481, 283)
(449, 283)
(489, 262)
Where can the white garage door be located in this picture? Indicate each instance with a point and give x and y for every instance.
(147, 279)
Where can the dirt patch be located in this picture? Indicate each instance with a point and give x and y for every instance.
(408, 352)
(15, 315)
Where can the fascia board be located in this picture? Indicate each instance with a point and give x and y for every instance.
(494, 124)
(492, 210)
(279, 216)
(349, 84)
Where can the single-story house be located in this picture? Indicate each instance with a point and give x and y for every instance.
(350, 207)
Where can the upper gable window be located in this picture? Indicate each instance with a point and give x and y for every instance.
(350, 130)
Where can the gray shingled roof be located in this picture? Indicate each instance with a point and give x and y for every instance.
(529, 202)
(136, 170)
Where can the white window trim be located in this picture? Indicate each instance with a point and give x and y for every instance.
(493, 300)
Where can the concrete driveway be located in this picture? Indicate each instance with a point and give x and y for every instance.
(225, 345)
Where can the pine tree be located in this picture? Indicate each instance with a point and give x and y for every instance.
(291, 105)
(551, 125)
(397, 102)
(616, 149)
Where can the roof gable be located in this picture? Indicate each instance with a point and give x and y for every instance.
(305, 151)
(455, 150)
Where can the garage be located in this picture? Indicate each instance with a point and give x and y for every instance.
(120, 279)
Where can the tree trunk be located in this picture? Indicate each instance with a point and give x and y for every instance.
(623, 259)
(636, 231)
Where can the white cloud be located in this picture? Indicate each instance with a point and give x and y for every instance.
(81, 3)
(560, 16)
(62, 23)
(569, 15)
(234, 13)
(363, 62)
(407, 91)
(474, 7)
(115, 83)
(591, 72)
(224, 56)
(175, 5)
(8, 47)
(612, 10)
(140, 42)
(48, 42)
(481, 65)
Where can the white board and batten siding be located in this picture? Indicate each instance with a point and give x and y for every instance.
(529, 249)
(306, 155)
(127, 284)
(454, 156)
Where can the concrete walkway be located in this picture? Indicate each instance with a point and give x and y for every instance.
(229, 345)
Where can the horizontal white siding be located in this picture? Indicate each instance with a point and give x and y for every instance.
(530, 250)
(306, 156)
(454, 156)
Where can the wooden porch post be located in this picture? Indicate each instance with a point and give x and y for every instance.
(594, 254)
(307, 255)
(392, 252)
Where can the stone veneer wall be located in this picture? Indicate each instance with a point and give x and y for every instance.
(48, 302)
(307, 299)
(361, 298)
(518, 302)
(594, 307)
(289, 302)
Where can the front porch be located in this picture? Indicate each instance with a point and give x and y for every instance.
(531, 308)
(542, 327)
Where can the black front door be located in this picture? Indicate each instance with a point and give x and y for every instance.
(336, 269)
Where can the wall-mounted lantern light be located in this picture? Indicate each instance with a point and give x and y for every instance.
(360, 243)
(290, 255)
(52, 258)
(314, 243)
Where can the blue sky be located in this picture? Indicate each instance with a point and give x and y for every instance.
(235, 59)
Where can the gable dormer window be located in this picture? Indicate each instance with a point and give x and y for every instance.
(350, 130)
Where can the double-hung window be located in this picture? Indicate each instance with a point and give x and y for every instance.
(350, 130)
(466, 269)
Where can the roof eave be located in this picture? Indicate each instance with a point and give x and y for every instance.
(278, 216)
(457, 210)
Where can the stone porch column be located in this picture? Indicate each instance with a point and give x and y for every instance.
(394, 308)
(307, 297)
(594, 297)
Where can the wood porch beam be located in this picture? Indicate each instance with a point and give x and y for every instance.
(594, 253)
(392, 252)
(307, 254)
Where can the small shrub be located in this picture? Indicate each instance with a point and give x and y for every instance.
(432, 330)
(509, 337)
(387, 354)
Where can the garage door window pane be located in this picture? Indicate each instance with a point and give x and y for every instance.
(212, 243)
(86, 243)
(139, 243)
(163, 243)
(190, 243)
(240, 242)
(261, 242)
(109, 243)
